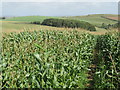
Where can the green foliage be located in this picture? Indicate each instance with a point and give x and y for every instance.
(108, 61)
(108, 26)
(117, 25)
(47, 59)
(104, 26)
(36, 22)
(68, 23)
(59, 59)
(2, 18)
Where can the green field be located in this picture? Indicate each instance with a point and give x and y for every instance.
(39, 56)
(96, 20)
(57, 59)
(17, 24)
(93, 19)
(28, 18)
(50, 55)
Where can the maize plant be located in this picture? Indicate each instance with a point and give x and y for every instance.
(46, 59)
(58, 59)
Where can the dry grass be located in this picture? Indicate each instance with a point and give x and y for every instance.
(14, 26)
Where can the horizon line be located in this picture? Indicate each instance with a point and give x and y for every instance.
(60, 16)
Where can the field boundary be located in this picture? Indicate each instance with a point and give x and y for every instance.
(109, 18)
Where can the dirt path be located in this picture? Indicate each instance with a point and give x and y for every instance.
(91, 73)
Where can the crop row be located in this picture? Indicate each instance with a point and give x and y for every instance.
(59, 59)
(46, 59)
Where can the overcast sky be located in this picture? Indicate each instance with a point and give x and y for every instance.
(60, 0)
(58, 8)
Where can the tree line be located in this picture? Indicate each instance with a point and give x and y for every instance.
(67, 23)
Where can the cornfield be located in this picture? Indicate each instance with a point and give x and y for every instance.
(48, 59)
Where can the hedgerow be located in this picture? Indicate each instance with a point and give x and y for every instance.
(36, 22)
(109, 26)
(68, 23)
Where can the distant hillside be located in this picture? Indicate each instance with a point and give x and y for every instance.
(95, 19)
(29, 18)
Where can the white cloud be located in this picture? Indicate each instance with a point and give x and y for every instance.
(60, 0)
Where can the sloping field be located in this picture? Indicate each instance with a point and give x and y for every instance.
(93, 19)
(96, 20)
(18, 24)
(28, 18)
(14, 26)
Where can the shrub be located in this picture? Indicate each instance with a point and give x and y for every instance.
(117, 25)
(68, 23)
(105, 26)
(36, 22)
(2, 18)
